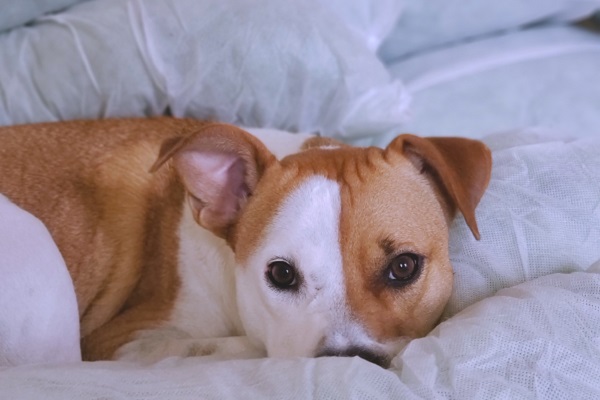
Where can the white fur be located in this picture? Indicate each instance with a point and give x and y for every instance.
(205, 307)
(304, 231)
(207, 284)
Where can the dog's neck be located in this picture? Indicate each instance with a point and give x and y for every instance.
(207, 269)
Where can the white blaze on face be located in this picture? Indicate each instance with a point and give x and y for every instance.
(304, 232)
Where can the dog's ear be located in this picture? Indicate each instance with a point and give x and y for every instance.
(460, 167)
(220, 166)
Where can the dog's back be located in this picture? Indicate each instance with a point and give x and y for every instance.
(89, 182)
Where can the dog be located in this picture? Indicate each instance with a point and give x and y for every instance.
(192, 238)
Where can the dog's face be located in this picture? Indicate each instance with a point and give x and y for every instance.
(340, 250)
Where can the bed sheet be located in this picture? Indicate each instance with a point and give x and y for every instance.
(540, 339)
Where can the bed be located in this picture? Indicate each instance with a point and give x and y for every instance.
(524, 317)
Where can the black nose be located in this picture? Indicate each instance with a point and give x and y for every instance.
(375, 358)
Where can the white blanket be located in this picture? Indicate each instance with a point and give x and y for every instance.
(537, 340)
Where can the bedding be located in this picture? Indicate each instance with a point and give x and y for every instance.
(429, 25)
(523, 320)
(524, 317)
(543, 77)
(30, 261)
(16, 13)
(291, 65)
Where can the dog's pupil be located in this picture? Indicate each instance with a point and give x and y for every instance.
(403, 267)
(282, 273)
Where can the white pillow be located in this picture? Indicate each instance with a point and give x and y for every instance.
(430, 24)
(544, 77)
(18, 12)
(39, 321)
(292, 65)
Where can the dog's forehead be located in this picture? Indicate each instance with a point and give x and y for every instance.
(282, 179)
(377, 194)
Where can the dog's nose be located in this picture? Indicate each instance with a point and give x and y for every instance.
(375, 358)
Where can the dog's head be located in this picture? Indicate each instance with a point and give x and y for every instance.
(340, 250)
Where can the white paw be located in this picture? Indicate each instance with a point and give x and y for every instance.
(156, 345)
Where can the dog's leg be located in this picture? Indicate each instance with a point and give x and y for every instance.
(154, 345)
(39, 322)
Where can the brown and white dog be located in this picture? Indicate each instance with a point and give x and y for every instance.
(188, 238)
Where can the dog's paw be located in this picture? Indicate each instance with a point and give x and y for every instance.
(153, 346)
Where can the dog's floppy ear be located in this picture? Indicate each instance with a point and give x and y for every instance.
(220, 166)
(460, 167)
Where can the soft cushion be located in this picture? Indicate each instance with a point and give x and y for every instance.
(39, 321)
(15, 13)
(431, 24)
(543, 77)
(293, 65)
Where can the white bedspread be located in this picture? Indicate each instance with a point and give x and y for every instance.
(540, 339)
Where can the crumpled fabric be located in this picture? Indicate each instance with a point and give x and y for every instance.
(16, 13)
(291, 65)
(538, 77)
(542, 77)
(429, 25)
(537, 340)
(540, 215)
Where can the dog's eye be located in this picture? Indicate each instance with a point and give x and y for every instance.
(404, 268)
(282, 274)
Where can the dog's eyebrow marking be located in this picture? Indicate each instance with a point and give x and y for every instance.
(387, 245)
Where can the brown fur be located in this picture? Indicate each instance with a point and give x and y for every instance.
(112, 220)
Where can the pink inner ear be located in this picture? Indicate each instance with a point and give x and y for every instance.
(218, 181)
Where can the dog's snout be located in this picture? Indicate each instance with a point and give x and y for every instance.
(355, 351)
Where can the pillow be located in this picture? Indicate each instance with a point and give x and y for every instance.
(544, 77)
(426, 25)
(15, 13)
(291, 65)
(373, 20)
(39, 320)
(540, 215)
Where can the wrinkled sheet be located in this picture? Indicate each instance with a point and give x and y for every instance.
(296, 65)
(432, 24)
(544, 77)
(540, 227)
(540, 339)
(539, 215)
(15, 13)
